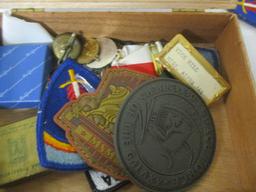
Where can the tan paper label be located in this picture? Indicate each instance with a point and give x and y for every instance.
(184, 64)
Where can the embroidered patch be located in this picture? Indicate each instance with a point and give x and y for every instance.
(54, 150)
(51, 141)
(89, 121)
(246, 10)
(101, 182)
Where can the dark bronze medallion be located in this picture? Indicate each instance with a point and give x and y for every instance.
(164, 136)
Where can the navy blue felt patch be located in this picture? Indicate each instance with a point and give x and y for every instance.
(52, 101)
(211, 56)
(246, 10)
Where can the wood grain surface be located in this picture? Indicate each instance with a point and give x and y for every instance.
(199, 28)
(167, 4)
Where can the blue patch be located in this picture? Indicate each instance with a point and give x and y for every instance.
(246, 10)
(211, 56)
(52, 101)
(58, 156)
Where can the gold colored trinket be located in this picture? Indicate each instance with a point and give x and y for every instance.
(185, 63)
(108, 50)
(66, 45)
(155, 48)
(90, 51)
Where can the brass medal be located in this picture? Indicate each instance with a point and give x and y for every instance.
(90, 51)
(62, 43)
(108, 51)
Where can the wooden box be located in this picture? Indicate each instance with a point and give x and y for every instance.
(234, 165)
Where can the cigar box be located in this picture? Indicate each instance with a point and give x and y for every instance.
(233, 167)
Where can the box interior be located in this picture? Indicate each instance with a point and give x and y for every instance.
(234, 165)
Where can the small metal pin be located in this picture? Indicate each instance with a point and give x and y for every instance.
(67, 48)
